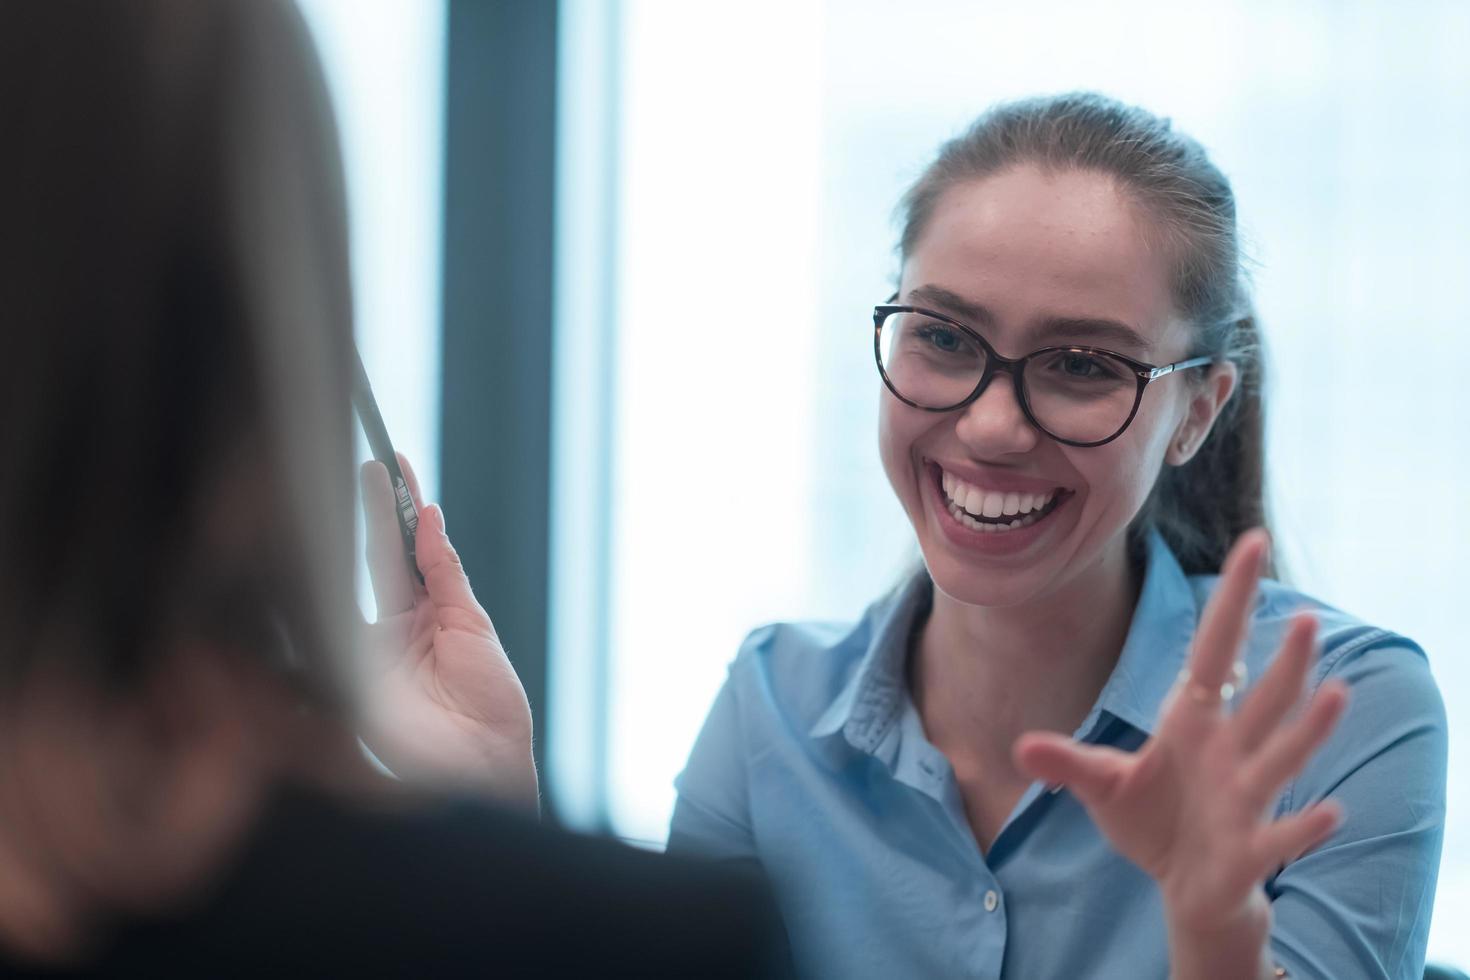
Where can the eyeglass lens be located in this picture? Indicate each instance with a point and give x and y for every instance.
(1074, 395)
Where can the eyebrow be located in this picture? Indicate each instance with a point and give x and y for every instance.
(1051, 329)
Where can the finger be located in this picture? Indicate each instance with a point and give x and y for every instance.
(412, 480)
(1287, 839)
(1272, 697)
(1091, 772)
(1223, 624)
(392, 583)
(1287, 749)
(444, 576)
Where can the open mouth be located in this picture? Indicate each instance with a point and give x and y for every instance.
(994, 511)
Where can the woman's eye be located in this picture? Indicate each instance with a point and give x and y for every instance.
(942, 338)
(1084, 366)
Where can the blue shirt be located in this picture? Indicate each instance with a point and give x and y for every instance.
(814, 762)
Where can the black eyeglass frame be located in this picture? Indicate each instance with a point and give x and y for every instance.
(1143, 371)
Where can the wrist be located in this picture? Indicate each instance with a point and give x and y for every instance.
(1231, 947)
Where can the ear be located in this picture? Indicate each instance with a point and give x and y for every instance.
(1205, 403)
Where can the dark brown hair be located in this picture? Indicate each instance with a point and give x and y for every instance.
(174, 421)
(1202, 506)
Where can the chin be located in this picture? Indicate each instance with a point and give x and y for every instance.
(995, 588)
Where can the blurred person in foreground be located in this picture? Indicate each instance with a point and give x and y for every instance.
(182, 681)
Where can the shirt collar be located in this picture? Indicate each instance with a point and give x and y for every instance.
(867, 706)
(1153, 654)
(1158, 641)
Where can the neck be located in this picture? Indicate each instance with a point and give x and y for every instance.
(982, 676)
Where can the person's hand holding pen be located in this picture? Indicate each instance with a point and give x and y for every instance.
(445, 704)
(1192, 807)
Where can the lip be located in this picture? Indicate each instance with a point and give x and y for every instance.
(990, 542)
(996, 479)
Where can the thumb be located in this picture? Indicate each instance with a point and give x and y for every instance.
(1091, 772)
(444, 576)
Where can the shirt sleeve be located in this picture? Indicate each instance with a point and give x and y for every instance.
(712, 812)
(1359, 905)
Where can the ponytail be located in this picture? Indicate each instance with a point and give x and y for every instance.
(1201, 507)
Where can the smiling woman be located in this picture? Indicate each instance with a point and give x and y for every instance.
(1090, 530)
(1042, 245)
(763, 200)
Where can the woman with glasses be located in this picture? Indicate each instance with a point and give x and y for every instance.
(1082, 740)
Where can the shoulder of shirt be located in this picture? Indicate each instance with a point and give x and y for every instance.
(799, 668)
(1349, 648)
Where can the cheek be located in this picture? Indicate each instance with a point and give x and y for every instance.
(1121, 475)
(898, 428)
(1117, 482)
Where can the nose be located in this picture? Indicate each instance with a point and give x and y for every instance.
(993, 425)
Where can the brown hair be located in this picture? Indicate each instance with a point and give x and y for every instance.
(1202, 506)
(174, 422)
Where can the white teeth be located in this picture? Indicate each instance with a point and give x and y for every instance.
(990, 528)
(969, 502)
(1032, 503)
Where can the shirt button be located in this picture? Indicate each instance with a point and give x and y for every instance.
(991, 900)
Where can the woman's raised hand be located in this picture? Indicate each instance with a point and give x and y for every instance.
(1192, 807)
(444, 703)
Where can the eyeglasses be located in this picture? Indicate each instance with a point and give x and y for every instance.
(1080, 396)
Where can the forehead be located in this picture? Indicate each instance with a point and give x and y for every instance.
(1030, 246)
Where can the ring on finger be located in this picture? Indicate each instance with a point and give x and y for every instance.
(1204, 694)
